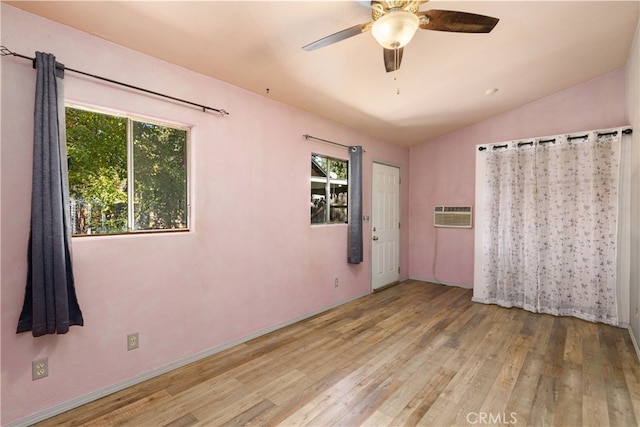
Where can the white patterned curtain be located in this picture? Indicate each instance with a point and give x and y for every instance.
(550, 225)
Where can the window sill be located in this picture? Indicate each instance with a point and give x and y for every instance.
(133, 233)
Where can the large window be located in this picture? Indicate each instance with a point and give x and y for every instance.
(329, 190)
(125, 174)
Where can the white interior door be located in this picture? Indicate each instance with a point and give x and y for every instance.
(385, 225)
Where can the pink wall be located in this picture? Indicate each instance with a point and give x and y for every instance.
(251, 262)
(442, 171)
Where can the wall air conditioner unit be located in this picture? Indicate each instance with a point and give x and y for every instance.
(452, 216)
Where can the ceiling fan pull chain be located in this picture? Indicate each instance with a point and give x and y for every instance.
(395, 71)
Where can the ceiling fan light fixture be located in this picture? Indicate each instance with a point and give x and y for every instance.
(395, 29)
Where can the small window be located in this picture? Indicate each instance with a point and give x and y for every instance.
(125, 174)
(329, 190)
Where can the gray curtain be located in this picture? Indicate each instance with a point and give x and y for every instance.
(50, 303)
(354, 255)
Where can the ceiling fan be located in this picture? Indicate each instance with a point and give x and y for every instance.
(394, 22)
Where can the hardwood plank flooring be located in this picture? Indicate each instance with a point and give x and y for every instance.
(413, 354)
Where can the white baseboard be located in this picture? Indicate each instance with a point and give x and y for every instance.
(635, 343)
(79, 401)
(437, 282)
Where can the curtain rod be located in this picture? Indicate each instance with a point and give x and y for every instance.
(4, 51)
(307, 137)
(627, 131)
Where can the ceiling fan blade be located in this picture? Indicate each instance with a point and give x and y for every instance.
(458, 22)
(340, 35)
(392, 59)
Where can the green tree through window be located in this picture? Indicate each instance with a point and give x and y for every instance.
(116, 192)
(160, 185)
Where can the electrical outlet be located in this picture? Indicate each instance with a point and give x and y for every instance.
(132, 341)
(39, 369)
(335, 283)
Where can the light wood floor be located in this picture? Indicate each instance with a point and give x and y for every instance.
(413, 354)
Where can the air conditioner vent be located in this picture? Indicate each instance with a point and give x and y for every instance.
(452, 216)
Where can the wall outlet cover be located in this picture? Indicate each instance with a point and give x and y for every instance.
(39, 369)
(132, 341)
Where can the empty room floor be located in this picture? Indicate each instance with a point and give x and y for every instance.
(413, 354)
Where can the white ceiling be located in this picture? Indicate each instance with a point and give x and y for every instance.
(537, 48)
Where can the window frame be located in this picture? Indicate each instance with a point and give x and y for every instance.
(328, 181)
(130, 118)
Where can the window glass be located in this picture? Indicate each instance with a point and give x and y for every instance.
(97, 158)
(160, 182)
(124, 174)
(329, 190)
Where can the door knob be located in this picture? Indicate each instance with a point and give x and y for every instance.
(375, 237)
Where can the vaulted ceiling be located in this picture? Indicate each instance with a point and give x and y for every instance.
(537, 48)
